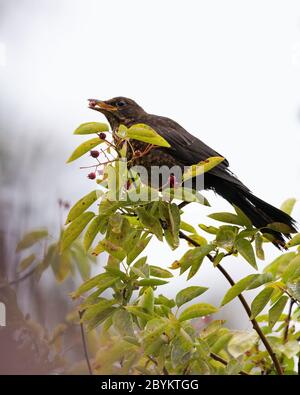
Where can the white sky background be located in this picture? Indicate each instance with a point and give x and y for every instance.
(229, 72)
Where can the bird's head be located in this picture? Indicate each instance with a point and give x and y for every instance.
(119, 110)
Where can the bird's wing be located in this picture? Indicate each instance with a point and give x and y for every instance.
(185, 147)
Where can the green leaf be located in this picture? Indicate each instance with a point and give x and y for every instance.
(61, 266)
(110, 247)
(225, 238)
(91, 232)
(202, 167)
(26, 262)
(260, 301)
(260, 279)
(169, 213)
(221, 342)
(288, 205)
(91, 127)
(123, 323)
(241, 342)
(139, 312)
(74, 229)
(238, 288)
(157, 271)
(280, 227)
(185, 194)
(146, 134)
(197, 310)
(243, 217)
(102, 281)
(150, 222)
(30, 239)
(147, 300)
(289, 349)
(294, 241)
(229, 218)
(259, 247)
(187, 227)
(205, 250)
(279, 264)
(137, 249)
(151, 282)
(82, 205)
(209, 229)
(84, 148)
(276, 310)
(189, 293)
(292, 271)
(192, 257)
(245, 248)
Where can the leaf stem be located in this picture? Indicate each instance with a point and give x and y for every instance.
(224, 362)
(256, 327)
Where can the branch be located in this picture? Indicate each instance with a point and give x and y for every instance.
(18, 280)
(288, 320)
(224, 362)
(256, 327)
(86, 355)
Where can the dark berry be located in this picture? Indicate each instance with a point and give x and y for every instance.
(137, 153)
(128, 184)
(92, 176)
(102, 136)
(95, 153)
(172, 181)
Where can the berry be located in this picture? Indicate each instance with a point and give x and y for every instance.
(172, 181)
(128, 184)
(137, 153)
(102, 136)
(95, 153)
(92, 176)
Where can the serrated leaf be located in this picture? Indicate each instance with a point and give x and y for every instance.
(276, 310)
(260, 301)
(157, 271)
(238, 288)
(91, 127)
(189, 293)
(74, 229)
(82, 205)
(144, 133)
(84, 148)
(30, 239)
(197, 310)
(202, 167)
(288, 205)
(245, 248)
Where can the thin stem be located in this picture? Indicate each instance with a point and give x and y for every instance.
(86, 355)
(224, 362)
(18, 280)
(288, 320)
(256, 327)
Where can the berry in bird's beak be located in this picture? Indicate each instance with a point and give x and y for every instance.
(100, 105)
(172, 181)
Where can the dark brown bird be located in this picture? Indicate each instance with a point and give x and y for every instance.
(186, 150)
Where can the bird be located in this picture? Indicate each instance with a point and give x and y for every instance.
(187, 150)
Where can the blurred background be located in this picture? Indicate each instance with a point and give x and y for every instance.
(229, 72)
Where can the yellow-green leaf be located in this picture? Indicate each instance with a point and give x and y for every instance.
(31, 238)
(288, 205)
(26, 262)
(202, 167)
(91, 232)
(84, 148)
(197, 310)
(91, 127)
(82, 205)
(245, 248)
(144, 133)
(260, 301)
(294, 241)
(238, 288)
(276, 310)
(189, 293)
(75, 228)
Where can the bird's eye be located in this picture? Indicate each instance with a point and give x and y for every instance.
(120, 103)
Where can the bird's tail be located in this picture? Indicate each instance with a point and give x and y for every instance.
(260, 213)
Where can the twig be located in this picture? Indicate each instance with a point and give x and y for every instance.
(256, 327)
(288, 320)
(18, 280)
(224, 362)
(86, 355)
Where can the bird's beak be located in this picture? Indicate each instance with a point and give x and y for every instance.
(100, 105)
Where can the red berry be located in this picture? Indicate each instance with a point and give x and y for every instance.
(172, 181)
(137, 153)
(92, 176)
(95, 153)
(102, 136)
